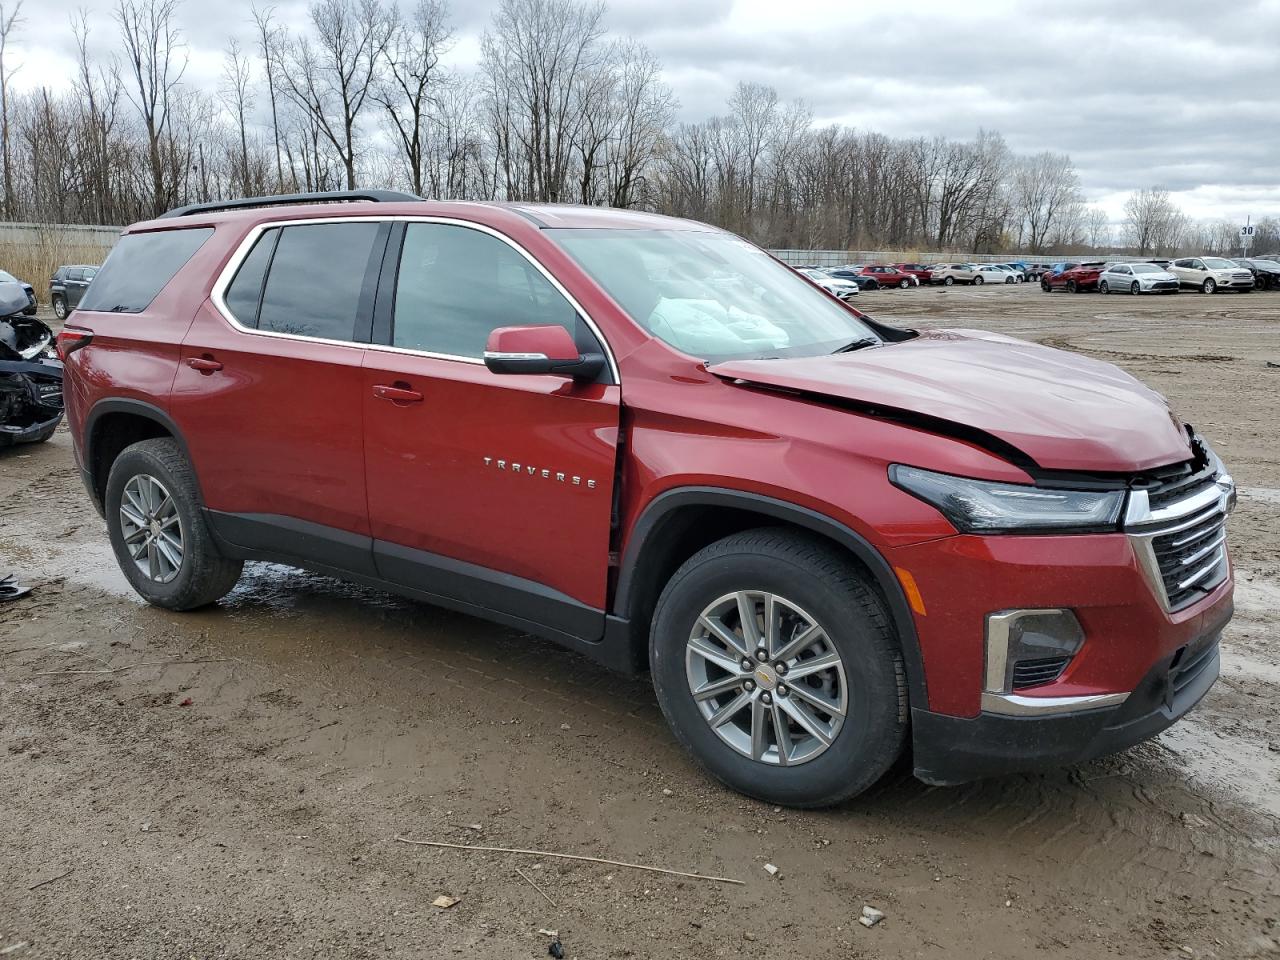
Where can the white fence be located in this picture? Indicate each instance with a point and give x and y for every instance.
(47, 233)
(836, 258)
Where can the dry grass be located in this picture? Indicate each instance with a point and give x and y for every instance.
(36, 262)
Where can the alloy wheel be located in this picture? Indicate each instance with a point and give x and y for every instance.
(1135, 288)
(59, 308)
(1209, 286)
(766, 677)
(904, 284)
(152, 528)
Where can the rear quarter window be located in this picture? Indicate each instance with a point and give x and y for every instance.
(139, 267)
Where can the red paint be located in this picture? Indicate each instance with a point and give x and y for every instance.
(1075, 276)
(517, 473)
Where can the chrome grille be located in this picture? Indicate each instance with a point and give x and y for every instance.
(1182, 544)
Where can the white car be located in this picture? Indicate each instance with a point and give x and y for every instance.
(1136, 278)
(843, 289)
(1211, 274)
(993, 273)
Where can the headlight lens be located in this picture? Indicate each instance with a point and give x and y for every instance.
(981, 506)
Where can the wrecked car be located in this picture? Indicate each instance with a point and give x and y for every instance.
(30, 372)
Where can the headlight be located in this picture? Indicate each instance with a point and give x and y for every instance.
(981, 506)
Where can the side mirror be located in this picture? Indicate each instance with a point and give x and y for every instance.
(539, 350)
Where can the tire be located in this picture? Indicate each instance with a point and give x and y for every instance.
(1104, 288)
(1072, 287)
(978, 281)
(60, 308)
(948, 281)
(903, 284)
(1135, 288)
(202, 574)
(1044, 285)
(809, 579)
(1209, 286)
(873, 285)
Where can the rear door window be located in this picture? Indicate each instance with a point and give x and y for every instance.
(316, 284)
(244, 297)
(140, 266)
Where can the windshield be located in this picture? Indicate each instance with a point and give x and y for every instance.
(6, 277)
(1145, 268)
(1218, 263)
(712, 295)
(1267, 264)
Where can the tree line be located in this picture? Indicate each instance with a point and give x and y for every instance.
(557, 110)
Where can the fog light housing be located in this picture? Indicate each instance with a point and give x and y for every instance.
(1029, 648)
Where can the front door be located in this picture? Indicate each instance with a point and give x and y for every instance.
(492, 490)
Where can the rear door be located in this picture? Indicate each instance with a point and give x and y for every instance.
(491, 490)
(82, 277)
(268, 392)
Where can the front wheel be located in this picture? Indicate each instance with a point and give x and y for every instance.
(903, 284)
(1044, 285)
(158, 531)
(1209, 286)
(776, 665)
(1135, 288)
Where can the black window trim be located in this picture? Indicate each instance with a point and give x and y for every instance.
(381, 324)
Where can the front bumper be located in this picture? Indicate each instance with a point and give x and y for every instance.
(951, 750)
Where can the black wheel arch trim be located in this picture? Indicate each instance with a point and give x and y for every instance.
(668, 501)
(137, 408)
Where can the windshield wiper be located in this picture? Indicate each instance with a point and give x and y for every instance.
(857, 345)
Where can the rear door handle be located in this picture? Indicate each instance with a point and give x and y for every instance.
(396, 394)
(204, 364)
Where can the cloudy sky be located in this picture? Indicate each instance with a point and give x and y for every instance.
(1185, 94)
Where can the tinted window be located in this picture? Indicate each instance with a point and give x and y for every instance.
(245, 292)
(316, 281)
(75, 274)
(457, 285)
(139, 267)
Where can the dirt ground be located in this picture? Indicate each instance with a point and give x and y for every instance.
(231, 783)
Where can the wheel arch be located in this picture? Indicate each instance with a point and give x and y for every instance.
(111, 426)
(678, 523)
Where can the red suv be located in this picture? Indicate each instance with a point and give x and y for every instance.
(887, 276)
(922, 272)
(828, 539)
(1072, 277)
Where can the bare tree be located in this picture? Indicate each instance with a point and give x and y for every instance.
(153, 47)
(1152, 221)
(534, 57)
(331, 78)
(1097, 226)
(10, 20)
(268, 36)
(237, 95)
(1045, 189)
(408, 91)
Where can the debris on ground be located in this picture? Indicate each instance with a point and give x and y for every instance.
(553, 934)
(556, 949)
(870, 916)
(11, 588)
(444, 902)
(770, 869)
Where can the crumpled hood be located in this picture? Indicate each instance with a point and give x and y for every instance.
(1063, 410)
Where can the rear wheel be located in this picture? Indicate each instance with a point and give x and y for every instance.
(775, 663)
(977, 281)
(60, 308)
(158, 531)
(1209, 286)
(948, 281)
(1104, 288)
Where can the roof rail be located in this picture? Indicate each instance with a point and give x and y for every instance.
(373, 196)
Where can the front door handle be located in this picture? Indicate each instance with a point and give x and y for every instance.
(396, 394)
(204, 364)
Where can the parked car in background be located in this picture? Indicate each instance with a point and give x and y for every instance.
(1033, 271)
(30, 309)
(920, 271)
(1137, 278)
(1211, 274)
(993, 273)
(1266, 273)
(950, 273)
(1072, 276)
(67, 286)
(843, 289)
(853, 272)
(889, 276)
(1016, 269)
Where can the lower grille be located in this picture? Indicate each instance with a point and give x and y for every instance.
(1185, 671)
(1034, 673)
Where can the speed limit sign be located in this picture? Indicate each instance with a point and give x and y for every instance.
(1246, 231)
